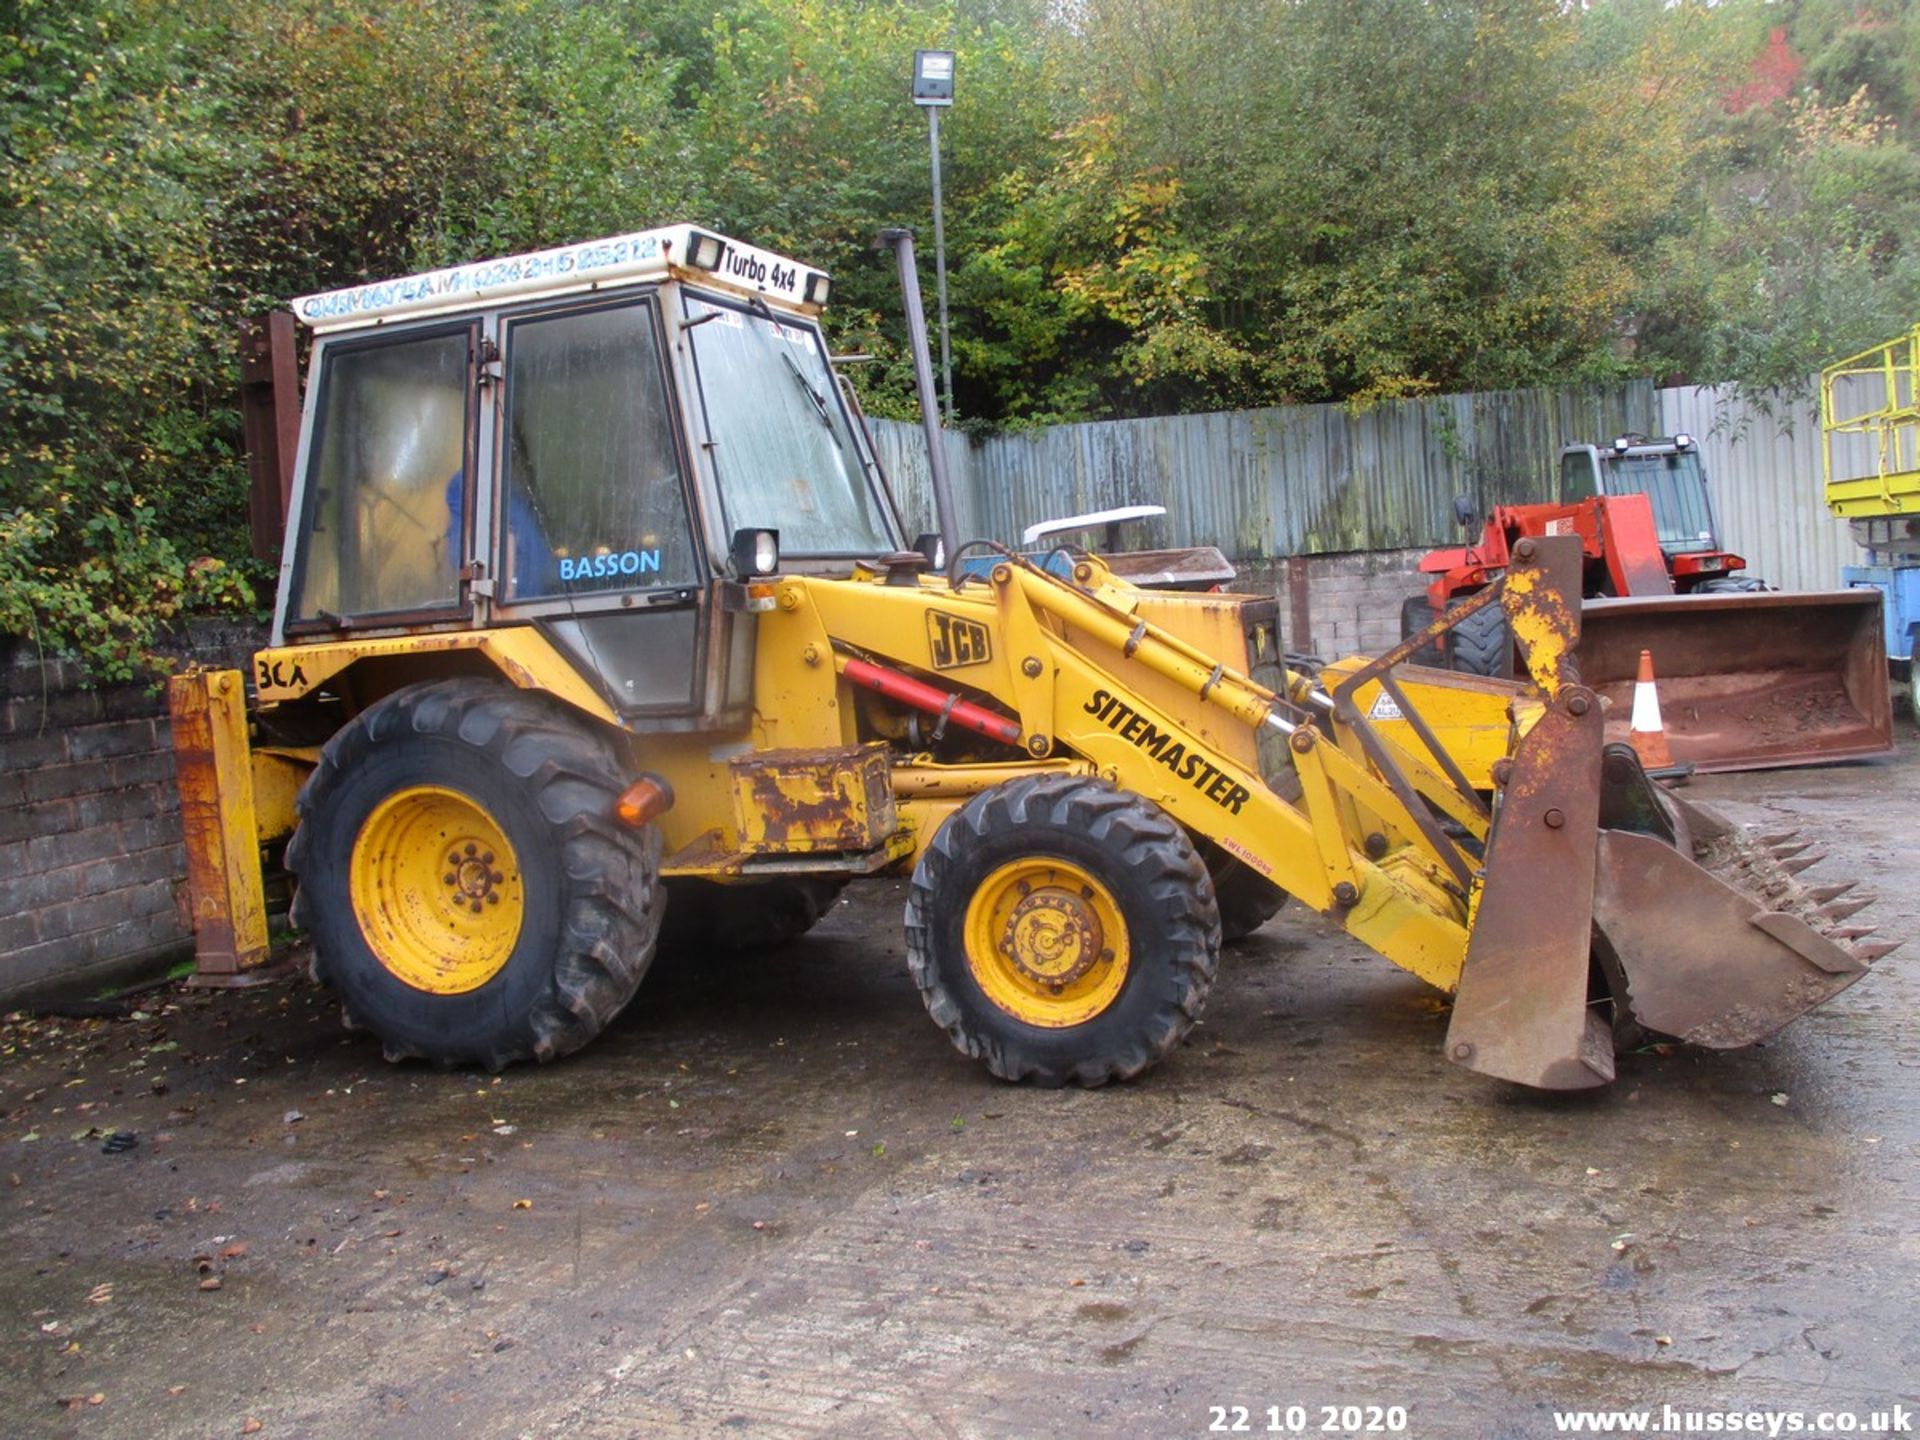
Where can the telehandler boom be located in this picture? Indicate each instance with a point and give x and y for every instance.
(596, 617)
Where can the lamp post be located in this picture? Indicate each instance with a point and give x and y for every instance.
(933, 92)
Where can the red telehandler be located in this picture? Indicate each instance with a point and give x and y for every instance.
(1749, 677)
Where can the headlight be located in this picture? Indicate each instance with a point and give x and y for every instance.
(705, 253)
(1683, 441)
(755, 552)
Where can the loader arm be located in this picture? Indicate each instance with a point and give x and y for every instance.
(1525, 909)
(1361, 844)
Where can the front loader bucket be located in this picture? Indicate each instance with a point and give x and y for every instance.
(1699, 930)
(1747, 681)
(1728, 946)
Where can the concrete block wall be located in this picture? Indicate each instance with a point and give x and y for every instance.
(1352, 600)
(92, 868)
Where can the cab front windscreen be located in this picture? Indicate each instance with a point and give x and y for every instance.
(783, 449)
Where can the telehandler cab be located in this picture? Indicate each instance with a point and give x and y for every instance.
(597, 615)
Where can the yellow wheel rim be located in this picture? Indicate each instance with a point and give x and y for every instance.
(1046, 942)
(437, 890)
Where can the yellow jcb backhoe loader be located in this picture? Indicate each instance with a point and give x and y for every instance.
(596, 614)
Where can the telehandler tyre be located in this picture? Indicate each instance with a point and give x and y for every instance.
(1062, 930)
(470, 895)
(1482, 644)
(1416, 614)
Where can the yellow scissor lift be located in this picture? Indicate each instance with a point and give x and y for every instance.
(1870, 428)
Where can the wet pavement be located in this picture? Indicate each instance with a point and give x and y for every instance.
(773, 1201)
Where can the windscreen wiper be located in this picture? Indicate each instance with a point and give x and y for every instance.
(819, 400)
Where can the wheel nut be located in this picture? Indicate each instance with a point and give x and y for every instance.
(448, 877)
(497, 877)
(475, 907)
(487, 859)
(493, 899)
(472, 850)
(454, 858)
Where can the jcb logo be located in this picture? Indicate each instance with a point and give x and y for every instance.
(956, 642)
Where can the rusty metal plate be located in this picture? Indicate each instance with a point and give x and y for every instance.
(1522, 1011)
(804, 801)
(1702, 960)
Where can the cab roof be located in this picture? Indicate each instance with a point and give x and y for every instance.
(676, 251)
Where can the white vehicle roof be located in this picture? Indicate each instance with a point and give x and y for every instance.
(676, 251)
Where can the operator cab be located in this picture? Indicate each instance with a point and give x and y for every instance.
(603, 441)
(1666, 470)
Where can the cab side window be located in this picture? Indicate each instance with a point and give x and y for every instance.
(389, 449)
(593, 499)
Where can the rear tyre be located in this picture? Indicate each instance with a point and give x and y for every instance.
(1247, 899)
(1731, 585)
(1482, 644)
(1062, 930)
(1416, 613)
(738, 919)
(470, 895)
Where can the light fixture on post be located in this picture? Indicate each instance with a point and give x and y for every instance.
(933, 92)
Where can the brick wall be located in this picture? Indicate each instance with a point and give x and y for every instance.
(92, 872)
(1353, 600)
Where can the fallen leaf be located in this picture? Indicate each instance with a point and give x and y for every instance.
(1780, 1097)
(98, 1397)
(212, 1282)
(523, 1204)
(176, 1389)
(100, 1294)
(235, 1251)
(252, 1427)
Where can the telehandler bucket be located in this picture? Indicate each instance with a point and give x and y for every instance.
(1606, 906)
(1747, 681)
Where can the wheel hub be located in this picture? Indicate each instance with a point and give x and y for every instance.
(436, 889)
(1054, 937)
(1047, 942)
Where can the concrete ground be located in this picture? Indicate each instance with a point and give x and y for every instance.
(772, 1201)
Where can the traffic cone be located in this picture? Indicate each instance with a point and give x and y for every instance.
(1647, 735)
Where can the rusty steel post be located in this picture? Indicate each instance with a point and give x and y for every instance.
(209, 714)
(270, 420)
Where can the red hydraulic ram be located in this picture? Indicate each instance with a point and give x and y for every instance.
(950, 707)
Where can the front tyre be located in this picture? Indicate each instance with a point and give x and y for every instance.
(470, 895)
(1060, 929)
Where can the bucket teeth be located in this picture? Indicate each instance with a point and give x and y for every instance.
(1873, 952)
(1803, 862)
(1852, 932)
(1823, 893)
(1779, 838)
(1787, 852)
(1841, 909)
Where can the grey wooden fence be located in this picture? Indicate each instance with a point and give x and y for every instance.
(1293, 480)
